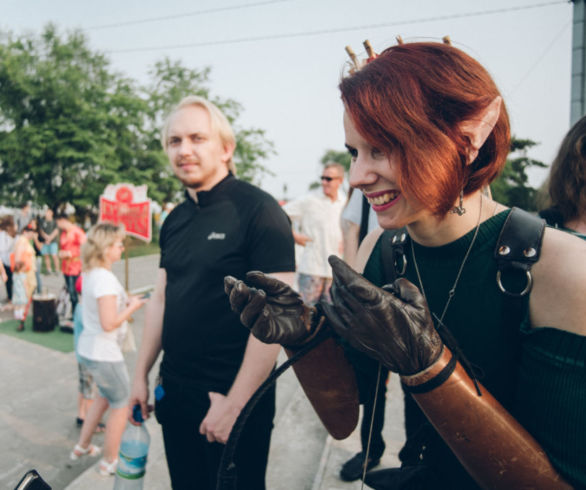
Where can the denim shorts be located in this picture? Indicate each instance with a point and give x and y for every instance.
(49, 249)
(111, 379)
(86, 382)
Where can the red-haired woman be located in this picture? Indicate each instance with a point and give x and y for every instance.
(485, 322)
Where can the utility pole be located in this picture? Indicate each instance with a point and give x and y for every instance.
(578, 96)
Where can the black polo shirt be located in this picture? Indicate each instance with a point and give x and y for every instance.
(233, 228)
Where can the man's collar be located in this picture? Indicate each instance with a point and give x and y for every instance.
(203, 198)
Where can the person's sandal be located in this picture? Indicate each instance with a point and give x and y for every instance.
(79, 452)
(107, 469)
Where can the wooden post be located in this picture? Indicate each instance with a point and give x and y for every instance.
(126, 278)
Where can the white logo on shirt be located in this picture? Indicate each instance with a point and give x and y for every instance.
(216, 236)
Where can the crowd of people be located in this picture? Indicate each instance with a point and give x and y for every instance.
(27, 243)
(477, 307)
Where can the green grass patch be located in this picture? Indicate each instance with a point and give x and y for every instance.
(56, 339)
(138, 248)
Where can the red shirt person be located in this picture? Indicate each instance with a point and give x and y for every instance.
(72, 237)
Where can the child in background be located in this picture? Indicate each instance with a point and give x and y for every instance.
(24, 280)
(87, 386)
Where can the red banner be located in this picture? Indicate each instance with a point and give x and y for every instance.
(127, 205)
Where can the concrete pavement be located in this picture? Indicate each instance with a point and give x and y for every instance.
(37, 414)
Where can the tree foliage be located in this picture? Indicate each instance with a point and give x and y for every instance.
(512, 186)
(341, 157)
(70, 125)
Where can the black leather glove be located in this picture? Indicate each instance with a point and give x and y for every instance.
(274, 313)
(392, 325)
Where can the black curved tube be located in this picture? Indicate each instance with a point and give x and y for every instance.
(227, 477)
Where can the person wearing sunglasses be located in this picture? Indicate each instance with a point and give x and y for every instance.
(316, 227)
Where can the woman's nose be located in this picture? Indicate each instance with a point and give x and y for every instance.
(361, 173)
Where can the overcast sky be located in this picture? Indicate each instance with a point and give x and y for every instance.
(282, 59)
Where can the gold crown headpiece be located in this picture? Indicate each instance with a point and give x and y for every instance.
(357, 64)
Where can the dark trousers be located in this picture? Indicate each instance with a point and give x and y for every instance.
(8, 282)
(70, 285)
(193, 462)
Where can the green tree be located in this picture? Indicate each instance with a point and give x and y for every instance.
(341, 157)
(70, 125)
(512, 186)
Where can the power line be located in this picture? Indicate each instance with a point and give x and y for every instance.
(338, 29)
(187, 14)
(540, 58)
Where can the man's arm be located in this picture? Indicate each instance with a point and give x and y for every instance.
(300, 238)
(259, 360)
(150, 346)
(295, 210)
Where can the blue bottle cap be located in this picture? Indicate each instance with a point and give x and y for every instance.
(159, 393)
(137, 414)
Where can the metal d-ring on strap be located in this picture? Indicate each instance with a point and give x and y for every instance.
(227, 475)
(399, 258)
(526, 289)
(518, 247)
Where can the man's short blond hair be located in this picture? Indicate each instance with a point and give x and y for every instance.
(219, 122)
(339, 167)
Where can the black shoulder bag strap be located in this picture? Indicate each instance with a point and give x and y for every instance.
(518, 247)
(393, 257)
(363, 219)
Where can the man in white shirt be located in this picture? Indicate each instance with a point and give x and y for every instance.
(316, 220)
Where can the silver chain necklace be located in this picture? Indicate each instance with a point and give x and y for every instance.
(451, 294)
(452, 291)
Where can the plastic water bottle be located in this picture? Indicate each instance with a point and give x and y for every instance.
(132, 458)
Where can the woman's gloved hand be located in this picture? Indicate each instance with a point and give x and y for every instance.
(274, 313)
(392, 325)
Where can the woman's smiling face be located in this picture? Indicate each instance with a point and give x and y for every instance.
(377, 176)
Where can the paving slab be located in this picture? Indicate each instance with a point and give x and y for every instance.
(336, 453)
(38, 408)
(39, 396)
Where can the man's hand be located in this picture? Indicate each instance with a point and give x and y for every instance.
(274, 313)
(301, 239)
(139, 395)
(392, 325)
(220, 419)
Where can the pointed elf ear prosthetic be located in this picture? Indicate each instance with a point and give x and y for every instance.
(480, 126)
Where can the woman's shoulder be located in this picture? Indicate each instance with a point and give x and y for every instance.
(99, 275)
(557, 299)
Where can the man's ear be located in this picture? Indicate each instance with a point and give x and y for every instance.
(479, 127)
(228, 151)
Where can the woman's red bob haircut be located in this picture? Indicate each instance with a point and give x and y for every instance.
(410, 101)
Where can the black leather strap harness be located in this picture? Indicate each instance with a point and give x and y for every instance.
(517, 249)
